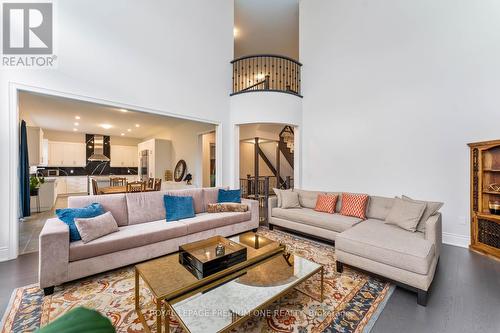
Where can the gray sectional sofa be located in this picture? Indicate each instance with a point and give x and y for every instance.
(143, 233)
(404, 257)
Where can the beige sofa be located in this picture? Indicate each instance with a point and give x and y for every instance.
(143, 233)
(407, 258)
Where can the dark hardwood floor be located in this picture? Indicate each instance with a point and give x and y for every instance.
(465, 295)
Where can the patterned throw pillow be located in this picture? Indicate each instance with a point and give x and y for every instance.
(226, 207)
(354, 205)
(326, 203)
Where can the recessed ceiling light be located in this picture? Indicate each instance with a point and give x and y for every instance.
(122, 134)
(123, 110)
(77, 117)
(76, 124)
(129, 130)
(137, 125)
(106, 126)
(74, 130)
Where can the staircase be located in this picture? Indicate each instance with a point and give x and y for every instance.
(286, 143)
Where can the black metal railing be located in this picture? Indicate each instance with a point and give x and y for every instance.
(261, 188)
(266, 72)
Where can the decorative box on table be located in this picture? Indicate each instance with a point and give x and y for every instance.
(212, 255)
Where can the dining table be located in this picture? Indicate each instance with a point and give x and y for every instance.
(118, 189)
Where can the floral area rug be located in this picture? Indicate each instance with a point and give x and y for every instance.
(353, 300)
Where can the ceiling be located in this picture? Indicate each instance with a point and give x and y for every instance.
(266, 27)
(60, 114)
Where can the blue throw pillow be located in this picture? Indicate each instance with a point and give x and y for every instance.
(178, 208)
(68, 215)
(229, 196)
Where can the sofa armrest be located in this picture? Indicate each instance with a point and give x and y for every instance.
(253, 207)
(433, 232)
(53, 253)
(271, 203)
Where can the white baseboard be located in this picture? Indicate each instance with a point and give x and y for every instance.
(455, 240)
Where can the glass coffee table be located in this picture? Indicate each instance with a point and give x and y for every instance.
(170, 282)
(249, 292)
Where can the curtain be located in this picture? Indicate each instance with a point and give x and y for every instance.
(24, 172)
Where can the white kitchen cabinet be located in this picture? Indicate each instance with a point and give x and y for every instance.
(34, 136)
(123, 156)
(60, 186)
(76, 184)
(71, 185)
(67, 154)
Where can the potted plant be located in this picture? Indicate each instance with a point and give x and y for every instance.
(35, 183)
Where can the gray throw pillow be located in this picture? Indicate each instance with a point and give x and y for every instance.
(278, 195)
(290, 200)
(431, 208)
(405, 214)
(95, 227)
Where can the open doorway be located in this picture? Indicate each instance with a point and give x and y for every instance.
(266, 161)
(75, 147)
(208, 152)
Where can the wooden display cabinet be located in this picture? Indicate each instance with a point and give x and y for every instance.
(485, 171)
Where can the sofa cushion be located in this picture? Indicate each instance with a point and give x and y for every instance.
(178, 207)
(326, 203)
(290, 200)
(68, 216)
(379, 207)
(405, 214)
(196, 193)
(430, 209)
(210, 195)
(308, 198)
(114, 203)
(339, 200)
(278, 195)
(334, 222)
(354, 204)
(95, 227)
(373, 239)
(207, 221)
(127, 237)
(145, 207)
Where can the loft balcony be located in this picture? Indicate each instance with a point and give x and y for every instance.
(265, 72)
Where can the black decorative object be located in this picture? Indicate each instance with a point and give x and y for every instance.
(188, 179)
(210, 256)
(180, 170)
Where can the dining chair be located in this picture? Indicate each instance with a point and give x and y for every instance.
(136, 186)
(157, 185)
(95, 187)
(117, 181)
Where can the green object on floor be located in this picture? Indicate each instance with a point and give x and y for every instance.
(79, 320)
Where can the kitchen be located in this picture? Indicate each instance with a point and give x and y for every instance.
(76, 147)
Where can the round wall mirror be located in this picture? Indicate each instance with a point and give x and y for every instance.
(180, 170)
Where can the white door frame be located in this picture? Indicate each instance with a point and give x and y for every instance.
(11, 252)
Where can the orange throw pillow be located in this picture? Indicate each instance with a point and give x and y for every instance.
(326, 203)
(354, 205)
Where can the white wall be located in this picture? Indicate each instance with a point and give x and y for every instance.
(393, 91)
(171, 57)
(186, 146)
(266, 27)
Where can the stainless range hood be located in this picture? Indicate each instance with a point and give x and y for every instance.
(98, 154)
